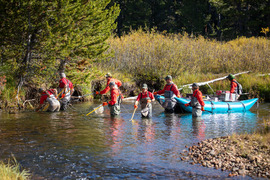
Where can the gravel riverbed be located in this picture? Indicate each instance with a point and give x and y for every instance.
(241, 155)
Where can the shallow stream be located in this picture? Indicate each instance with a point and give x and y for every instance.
(69, 145)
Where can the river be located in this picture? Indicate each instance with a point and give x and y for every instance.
(70, 145)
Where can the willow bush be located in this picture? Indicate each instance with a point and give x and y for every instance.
(153, 54)
(150, 56)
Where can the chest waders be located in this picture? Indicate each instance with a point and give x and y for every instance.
(146, 108)
(115, 109)
(54, 104)
(64, 102)
(170, 102)
(196, 106)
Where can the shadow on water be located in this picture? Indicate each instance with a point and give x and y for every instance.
(69, 145)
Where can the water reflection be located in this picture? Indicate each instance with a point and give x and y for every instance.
(69, 145)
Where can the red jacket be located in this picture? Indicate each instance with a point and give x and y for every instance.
(115, 93)
(233, 86)
(44, 95)
(107, 88)
(198, 94)
(65, 81)
(144, 95)
(168, 87)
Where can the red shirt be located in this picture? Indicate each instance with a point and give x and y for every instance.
(63, 82)
(115, 93)
(198, 95)
(233, 86)
(168, 87)
(107, 89)
(144, 95)
(44, 95)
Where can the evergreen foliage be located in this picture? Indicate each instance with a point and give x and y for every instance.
(38, 38)
(224, 20)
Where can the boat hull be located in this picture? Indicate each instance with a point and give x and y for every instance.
(215, 107)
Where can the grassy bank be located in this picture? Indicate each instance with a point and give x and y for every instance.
(150, 56)
(147, 57)
(12, 170)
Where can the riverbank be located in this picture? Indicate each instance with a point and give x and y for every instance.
(243, 155)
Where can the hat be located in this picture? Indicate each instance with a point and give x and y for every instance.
(112, 83)
(108, 75)
(196, 85)
(168, 77)
(144, 86)
(62, 75)
(230, 77)
(40, 90)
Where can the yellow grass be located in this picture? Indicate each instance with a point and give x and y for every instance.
(11, 171)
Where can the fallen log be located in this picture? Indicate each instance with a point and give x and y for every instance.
(211, 81)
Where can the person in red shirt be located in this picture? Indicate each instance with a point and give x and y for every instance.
(196, 102)
(49, 96)
(67, 89)
(145, 98)
(65, 85)
(170, 91)
(236, 88)
(116, 99)
(109, 79)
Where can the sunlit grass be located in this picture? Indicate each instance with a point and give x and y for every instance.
(149, 56)
(12, 171)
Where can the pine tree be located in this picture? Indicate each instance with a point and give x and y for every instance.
(39, 36)
(78, 30)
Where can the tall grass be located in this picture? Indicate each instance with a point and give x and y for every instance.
(150, 56)
(154, 54)
(11, 171)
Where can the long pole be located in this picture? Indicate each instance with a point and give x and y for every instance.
(94, 110)
(133, 114)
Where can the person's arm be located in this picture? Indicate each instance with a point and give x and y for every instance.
(176, 91)
(200, 98)
(161, 91)
(233, 86)
(118, 83)
(151, 96)
(139, 97)
(42, 99)
(107, 89)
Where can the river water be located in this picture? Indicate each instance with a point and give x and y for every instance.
(69, 145)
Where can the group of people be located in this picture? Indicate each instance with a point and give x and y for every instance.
(56, 101)
(145, 98)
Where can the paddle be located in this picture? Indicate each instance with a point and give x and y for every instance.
(94, 110)
(133, 114)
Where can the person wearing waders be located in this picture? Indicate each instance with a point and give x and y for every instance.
(236, 87)
(170, 91)
(49, 96)
(145, 98)
(116, 99)
(196, 102)
(66, 87)
(109, 79)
